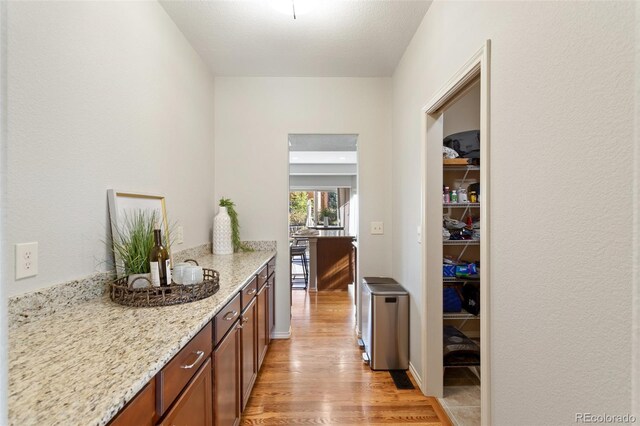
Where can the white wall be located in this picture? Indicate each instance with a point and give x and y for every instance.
(464, 114)
(254, 117)
(100, 95)
(636, 242)
(4, 340)
(561, 207)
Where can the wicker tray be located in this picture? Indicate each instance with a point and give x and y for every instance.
(175, 294)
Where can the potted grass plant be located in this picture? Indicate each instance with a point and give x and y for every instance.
(132, 243)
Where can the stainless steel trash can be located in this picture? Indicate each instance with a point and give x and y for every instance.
(385, 324)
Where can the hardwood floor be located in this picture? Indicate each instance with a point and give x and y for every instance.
(318, 377)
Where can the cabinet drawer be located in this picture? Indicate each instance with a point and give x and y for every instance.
(141, 410)
(177, 373)
(248, 292)
(226, 318)
(195, 405)
(262, 276)
(271, 266)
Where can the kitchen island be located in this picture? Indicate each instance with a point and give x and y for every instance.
(331, 261)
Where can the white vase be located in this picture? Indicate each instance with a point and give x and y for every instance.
(222, 242)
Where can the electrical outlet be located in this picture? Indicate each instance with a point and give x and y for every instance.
(179, 235)
(26, 260)
(377, 228)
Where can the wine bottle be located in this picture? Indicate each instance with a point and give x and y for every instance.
(159, 262)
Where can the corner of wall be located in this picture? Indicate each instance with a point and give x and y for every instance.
(635, 391)
(4, 262)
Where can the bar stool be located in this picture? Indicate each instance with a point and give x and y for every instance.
(300, 251)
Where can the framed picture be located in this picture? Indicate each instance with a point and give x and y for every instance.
(123, 203)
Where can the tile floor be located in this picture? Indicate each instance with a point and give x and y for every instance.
(461, 397)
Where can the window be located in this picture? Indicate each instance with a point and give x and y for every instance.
(309, 208)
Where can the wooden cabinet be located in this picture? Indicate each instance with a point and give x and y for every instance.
(248, 292)
(227, 318)
(195, 406)
(210, 380)
(271, 308)
(177, 373)
(262, 303)
(333, 263)
(226, 379)
(249, 338)
(141, 411)
(263, 274)
(271, 266)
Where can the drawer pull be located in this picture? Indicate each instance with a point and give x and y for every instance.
(252, 291)
(230, 315)
(200, 355)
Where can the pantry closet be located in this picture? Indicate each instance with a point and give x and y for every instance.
(455, 246)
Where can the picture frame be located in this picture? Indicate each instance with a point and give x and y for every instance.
(121, 202)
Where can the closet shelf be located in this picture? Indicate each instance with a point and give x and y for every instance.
(462, 315)
(461, 242)
(460, 168)
(460, 205)
(458, 280)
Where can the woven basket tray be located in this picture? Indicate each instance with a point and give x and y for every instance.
(175, 294)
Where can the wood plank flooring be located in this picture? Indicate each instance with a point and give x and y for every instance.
(318, 377)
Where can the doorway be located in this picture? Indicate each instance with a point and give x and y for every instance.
(446, 250)
(323, 202)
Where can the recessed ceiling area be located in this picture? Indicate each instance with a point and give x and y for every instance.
(328, 38)
(323, 154)
(322, 142)
(323, 157)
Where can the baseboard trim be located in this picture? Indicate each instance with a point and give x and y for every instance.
(281, 335)
(415, 375)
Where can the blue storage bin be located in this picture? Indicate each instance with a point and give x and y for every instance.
(448, 270)
(451, 301)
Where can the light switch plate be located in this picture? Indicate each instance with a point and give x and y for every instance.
(377, 228)
(26, 260)
(419, 234)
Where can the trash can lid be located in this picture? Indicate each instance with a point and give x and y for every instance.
(387, 289)
(379, 280)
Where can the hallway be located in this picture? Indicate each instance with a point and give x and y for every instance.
(317, 376)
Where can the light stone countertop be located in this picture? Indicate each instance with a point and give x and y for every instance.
(82, 364)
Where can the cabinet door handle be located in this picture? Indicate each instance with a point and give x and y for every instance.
(200, 355)
(243, 322)
(230, 315)
(252, 291)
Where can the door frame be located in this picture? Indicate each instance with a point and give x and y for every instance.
(476, 68)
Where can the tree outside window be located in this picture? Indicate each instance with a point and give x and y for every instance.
(323, 204)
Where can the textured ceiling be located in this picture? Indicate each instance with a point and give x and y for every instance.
(345, 38)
